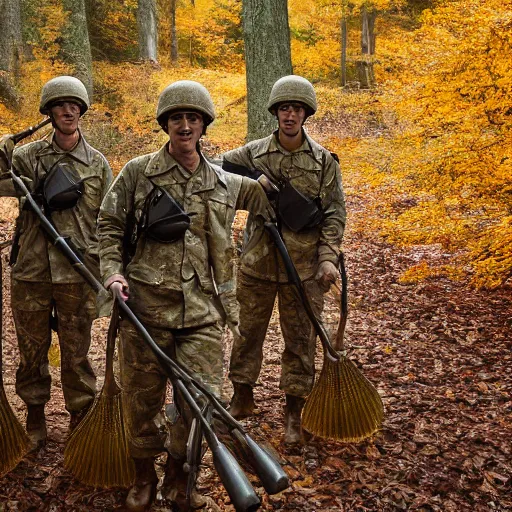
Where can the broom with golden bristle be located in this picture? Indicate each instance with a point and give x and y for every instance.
(14, 442)
(97, 451)
(343, 405)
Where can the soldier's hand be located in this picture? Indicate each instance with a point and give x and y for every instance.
(6, 149)
(270, 189)
(118, 286)
(326, 274)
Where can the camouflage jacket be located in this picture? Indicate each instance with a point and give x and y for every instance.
(181, 282)
(38, 259)
(313, 171)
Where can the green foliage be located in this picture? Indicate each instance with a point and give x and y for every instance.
(29, 13)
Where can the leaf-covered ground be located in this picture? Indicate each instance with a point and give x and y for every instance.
(439, 353)
(440, 356)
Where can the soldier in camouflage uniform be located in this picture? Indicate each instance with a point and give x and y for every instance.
(42, 279)
(286, 157)
(180, 281)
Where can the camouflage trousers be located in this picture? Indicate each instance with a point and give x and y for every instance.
(257, 298)
(32, 305)
(144, 382)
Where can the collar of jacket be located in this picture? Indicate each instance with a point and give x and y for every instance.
(271, 145)
(82, 152)
(162, 162)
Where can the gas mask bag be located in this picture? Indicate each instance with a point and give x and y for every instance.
(62, 187)
(296, 210)
(165, 219)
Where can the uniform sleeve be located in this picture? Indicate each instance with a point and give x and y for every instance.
(252, 198)
(239, 161)
(116, 207)
(333, 202)
(7, 185)
(23, 166)
(6, 150)
(107, 177)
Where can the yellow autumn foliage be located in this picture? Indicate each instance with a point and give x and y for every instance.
(428, 150)
(209, 33)
(450, 163)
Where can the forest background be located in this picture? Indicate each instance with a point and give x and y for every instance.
(417, 104)
(428, 134)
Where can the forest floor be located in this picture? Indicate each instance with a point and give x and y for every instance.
(439, 353)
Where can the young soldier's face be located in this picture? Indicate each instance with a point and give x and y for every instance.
(290, 116)
(185, 129)
(66, 114)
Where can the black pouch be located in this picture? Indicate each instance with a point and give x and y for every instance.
(165, 220)
(297, 211)
(62, 187)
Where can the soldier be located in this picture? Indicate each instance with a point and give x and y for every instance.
(69, 178)
(176, 209)
(303, 178)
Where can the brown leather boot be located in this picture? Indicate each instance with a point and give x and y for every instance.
(174, 487)
(293, 433)
(242, 403)
(143, 492)
(36, 426)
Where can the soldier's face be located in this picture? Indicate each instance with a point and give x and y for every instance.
(66, 115)
(290, 117)
(185, 129)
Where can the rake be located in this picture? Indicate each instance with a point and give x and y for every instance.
(269, 471)
(14, 442)
(97, 450)
(343, 405)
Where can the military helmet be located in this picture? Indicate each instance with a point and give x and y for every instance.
(64, 87)
(185, 94)
(293, 88)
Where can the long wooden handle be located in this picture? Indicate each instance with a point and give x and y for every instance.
(340, 334)
(1, 316)
(111, 388)
(295, 279)
(2, 246)
(18, 137)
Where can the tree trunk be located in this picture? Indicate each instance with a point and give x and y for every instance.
(174, 37)
(365, 65)
(148, 30)
(75, 46)
(11, 49)
(267, 58)
(343, 50)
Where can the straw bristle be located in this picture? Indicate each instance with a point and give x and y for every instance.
(97, 450)
(343, 405)
(14, 442)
